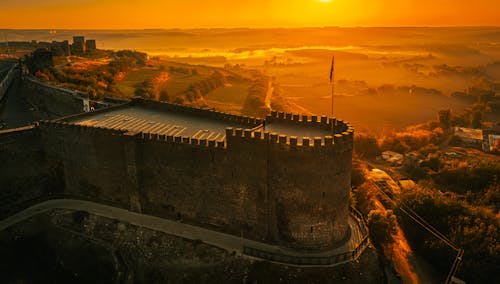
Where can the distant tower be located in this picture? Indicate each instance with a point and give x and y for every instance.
(60, 48)
(78, 46)
(90, 45)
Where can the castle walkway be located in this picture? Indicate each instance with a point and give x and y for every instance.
(217, 239)
(139, 118)
(296, 130)
(143, 119)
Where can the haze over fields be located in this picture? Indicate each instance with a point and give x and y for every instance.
(418, 79)
(385, 77)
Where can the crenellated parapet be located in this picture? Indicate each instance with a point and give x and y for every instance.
(294, 119)
(154, 137)
(239, 136)
(331, 124)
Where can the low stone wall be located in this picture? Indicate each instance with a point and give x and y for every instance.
(5, 83)
(52, 101)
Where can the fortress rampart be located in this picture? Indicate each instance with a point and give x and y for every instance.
(7, 80)
(258, 184)
(53, 101)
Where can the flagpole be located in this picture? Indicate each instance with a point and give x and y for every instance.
(332, 82)
(333, 90)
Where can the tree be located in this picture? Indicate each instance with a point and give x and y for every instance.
(382, 225)
(477, 117)
(444, 118)
(164, 97)
(366, 145)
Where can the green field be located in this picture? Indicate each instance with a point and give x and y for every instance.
(235, 94)
(127, 85)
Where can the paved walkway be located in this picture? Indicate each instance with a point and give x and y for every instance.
(218, 239)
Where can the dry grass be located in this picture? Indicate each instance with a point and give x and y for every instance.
(89, 64)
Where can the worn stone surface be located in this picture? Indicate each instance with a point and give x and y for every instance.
(256, 184)
(65, 246)
(25, 173)
(51, 101)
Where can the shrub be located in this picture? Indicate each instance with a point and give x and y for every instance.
(382, 226)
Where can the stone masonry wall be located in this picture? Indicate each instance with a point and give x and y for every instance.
(8, 79)
(256, 184)
(26, 173)
(51, 101)
(91, 160)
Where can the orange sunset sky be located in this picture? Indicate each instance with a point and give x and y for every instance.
(103, 14)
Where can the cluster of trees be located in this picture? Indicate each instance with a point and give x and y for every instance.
(95, 83)
(469, 220)
(201, 88)
(447, 70)
(470, 117)
(183, 70)
(139, 58)
(361, 88)
(255, 103)
(369, 146)
(382, 223)
(382, 226)
(99, 81)
(145, 89)
(473, 228)
(195, 92)
(483, 93)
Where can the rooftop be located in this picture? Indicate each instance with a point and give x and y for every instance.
(143, 119)
(469, 133)
(188, 122)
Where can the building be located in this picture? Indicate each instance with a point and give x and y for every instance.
(78, 47)
(90, 45)
(41, 58)
(225, 172)
(492, 143)
(470, 137)
(392, 157)
(60, 48)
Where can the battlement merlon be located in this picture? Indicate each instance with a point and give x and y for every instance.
(296, 131)
(330, 124)
(236, 137)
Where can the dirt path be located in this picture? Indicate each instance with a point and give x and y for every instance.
(411, 267)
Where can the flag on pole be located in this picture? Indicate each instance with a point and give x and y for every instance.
(332, 69)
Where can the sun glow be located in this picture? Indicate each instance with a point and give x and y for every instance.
(125, 14)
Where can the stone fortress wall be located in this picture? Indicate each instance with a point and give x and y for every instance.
(53, 101)
(255, 184)
(8, 79)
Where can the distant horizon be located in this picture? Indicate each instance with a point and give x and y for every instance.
(194, 14)
(254, 28)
